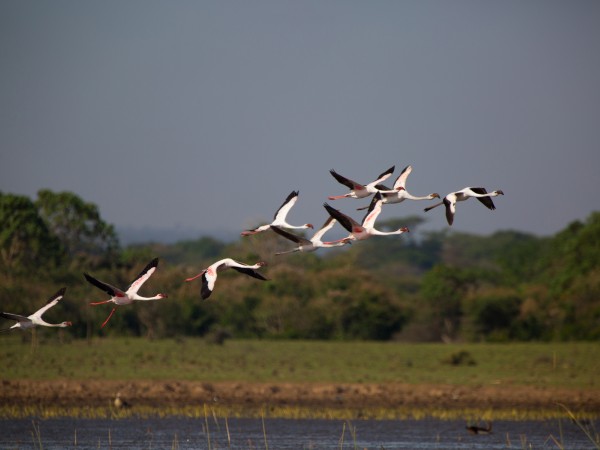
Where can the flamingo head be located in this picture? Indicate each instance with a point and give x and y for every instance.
(400, 188)
(499, 192)
(309, 225)
(435, 195)
(66, 324)
(405, 230)
(261, 263)
(161, 296)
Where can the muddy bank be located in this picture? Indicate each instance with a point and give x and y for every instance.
(96, 393)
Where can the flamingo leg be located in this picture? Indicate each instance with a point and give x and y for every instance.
(336, 197)
(197, 276)
(109, 316)
(101, 303)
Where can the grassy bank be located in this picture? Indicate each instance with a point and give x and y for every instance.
(569, 365)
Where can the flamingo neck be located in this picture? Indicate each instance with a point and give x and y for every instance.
(385, 233)
(140, 298)
(413, 197)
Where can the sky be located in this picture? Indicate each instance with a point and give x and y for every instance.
(205, 115)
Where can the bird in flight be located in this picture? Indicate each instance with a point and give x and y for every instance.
(35, 319)
(358, 190)
(120, 297)
(209, 275)
(365, 229)
(450, 200)
(279, 219)
(315, 242)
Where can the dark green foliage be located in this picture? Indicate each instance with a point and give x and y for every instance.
(422, 286)
(496, 315)
(26, 242)
(572, 253)
(84, 236)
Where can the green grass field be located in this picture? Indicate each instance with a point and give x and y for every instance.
(570, 365)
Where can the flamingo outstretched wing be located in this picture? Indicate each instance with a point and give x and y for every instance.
(143, 276)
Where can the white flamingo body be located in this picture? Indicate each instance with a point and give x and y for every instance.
(315, 242)
(399, 193)
(36, 319)
(120, 297)
(366, 229)
(450, 200)
(209, 275)
(280, 217)
(358, 190)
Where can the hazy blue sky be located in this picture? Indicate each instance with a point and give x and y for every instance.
(206, 114)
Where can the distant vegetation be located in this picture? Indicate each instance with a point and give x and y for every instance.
(428, 286)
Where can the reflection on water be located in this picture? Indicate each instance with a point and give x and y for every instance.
(280, 434)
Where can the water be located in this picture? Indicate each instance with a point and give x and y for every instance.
(282, 434)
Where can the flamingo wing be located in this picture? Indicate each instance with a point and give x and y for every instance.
(284, 209)
(110, 290)
(16, 317)
(347, 222)
(350, 184)
(373, 212)
(486, 201)
(146, 273)
(250, 272)
(383, 176)
(53, 300)
(450, 210)
(401, 180)
(290, 236)
(208, 284)
(328, 225)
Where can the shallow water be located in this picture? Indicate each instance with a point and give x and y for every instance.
(281, 434)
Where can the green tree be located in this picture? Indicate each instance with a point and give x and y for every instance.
(25, 240)
(494, 313)
(85, 237)
(443, 290)
(572, 253)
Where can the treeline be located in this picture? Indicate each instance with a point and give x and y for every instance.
(421, 286)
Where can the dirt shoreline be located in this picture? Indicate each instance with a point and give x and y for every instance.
(100, 393)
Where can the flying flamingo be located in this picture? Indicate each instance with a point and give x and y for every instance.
(358, 190)
(35, 319)
(315, 242)
(119, 297)
(399, 193)
(366, 229)
(279, 217)
(464, 194)
(209, 275)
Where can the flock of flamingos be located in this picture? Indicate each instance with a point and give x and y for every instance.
(357, 231)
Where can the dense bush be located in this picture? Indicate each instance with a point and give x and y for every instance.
(430, 286)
